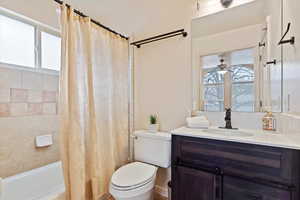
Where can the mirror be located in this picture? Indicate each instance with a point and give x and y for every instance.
(233, 53)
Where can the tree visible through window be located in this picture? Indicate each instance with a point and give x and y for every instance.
(239, 82)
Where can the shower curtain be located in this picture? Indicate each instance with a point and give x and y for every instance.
(93, 106)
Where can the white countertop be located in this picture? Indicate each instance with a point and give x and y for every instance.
(266, 138)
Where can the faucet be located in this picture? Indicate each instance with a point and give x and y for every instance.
(228, 118)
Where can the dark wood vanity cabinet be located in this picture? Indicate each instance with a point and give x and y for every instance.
(201, 185)
(204, 169)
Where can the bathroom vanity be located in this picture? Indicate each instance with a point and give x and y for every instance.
(258, 166)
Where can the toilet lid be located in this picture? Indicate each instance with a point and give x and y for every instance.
(133, 174)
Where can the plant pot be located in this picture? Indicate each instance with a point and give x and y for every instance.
(153, 128)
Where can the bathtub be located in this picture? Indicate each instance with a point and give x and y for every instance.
(43, 183)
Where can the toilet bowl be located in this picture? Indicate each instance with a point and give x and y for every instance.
(134, 181)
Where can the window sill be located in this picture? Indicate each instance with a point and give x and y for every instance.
(30, 69)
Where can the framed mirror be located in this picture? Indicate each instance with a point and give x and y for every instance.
(233, 55)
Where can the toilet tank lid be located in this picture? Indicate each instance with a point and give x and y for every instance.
(157, 135)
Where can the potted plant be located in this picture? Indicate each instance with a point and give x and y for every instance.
(153, 126)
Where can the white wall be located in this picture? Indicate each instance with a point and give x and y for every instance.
(241, 38)
(43, 11)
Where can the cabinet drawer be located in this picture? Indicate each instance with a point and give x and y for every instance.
(237, 189)
(247, 160)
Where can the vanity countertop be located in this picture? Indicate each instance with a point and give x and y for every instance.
(259, 137)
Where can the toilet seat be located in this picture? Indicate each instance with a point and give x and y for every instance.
(132, 187)
(133, 176)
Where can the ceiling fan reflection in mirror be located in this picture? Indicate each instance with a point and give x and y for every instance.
(223, 68)
(226, 3)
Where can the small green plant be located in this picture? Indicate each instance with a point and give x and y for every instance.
(153, 119)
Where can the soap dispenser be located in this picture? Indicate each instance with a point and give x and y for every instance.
(269, 122)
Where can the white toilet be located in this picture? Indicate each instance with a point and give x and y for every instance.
(136, 181)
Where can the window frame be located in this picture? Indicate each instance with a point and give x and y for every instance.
(38, 29)
(227, 82)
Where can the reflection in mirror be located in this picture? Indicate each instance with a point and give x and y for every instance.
(230, 73)
(229, 59)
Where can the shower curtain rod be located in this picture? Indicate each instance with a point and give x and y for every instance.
(138, 44)
(94, 21)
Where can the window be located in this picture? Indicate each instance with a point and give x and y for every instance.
(213, 84)
(22, 43)
(17, 41)
(51, 48)
(238, 81)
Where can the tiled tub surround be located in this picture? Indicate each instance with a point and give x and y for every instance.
(24, 102)
(28, 108)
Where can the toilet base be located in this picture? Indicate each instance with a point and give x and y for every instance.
(146, 196)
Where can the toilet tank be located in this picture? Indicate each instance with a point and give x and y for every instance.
(153, 148)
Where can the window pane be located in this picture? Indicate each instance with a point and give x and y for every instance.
(212, 77)
(17, 42)
(242, 57)
(243, 97)
(51, 48)
(214, 98)
(242, 73)
(211, 61)
(242, 89)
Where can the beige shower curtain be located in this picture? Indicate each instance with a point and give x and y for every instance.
(93, 106)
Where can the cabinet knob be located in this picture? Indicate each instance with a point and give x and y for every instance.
(218, 170)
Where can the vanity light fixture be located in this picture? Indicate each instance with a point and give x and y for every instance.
(226, 3)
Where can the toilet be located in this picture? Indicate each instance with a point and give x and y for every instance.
(136, 181)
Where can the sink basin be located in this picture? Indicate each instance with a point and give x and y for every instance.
(228, 132)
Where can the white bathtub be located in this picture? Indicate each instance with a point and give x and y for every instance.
(43, 183)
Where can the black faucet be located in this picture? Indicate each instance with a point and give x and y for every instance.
(228, 118)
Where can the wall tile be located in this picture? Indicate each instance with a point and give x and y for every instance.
(35, 109)
(18, 109)
(32, 80)
(49, 109)
(4, 95)
(10, 78)
(4, 110)
(50, 82)
(18, 95)
(20, 155)
(49, 96)
(35, 96)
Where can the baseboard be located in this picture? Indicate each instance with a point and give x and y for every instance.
(161, 191)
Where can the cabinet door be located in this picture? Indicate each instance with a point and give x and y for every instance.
(191, 184)
(237, 189)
